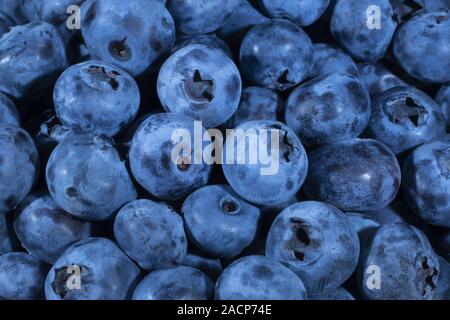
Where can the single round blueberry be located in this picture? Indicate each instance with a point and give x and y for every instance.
(163, 165)
(177, 283)
(31, 57)
(19, 166)
(95, 97)
(9, 116)
(378, 78)
(353, 28)
(271, 163)
(21, 277)
(315, 240)
(421, 46)
(201, 16)
(151, 234)
(354, 175)
(276, 54)
(339, 294)
(87, 178)
(220, 222)
(96, 270)
(302, 12)
(443, 99)
(426, 182)
(404, 117)
(402, 260)
(200, 82)
(328, 109)
(208, 40)
(45, 230)
(131, 34)
(211, 267)
(330, 59)
(259, 278)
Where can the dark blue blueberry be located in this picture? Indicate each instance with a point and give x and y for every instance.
(95, 97)
(177, 283)
(421, 46)
(315, 240)
(200, 82)
(87, 178)
(45, 230)
(330, 59)
(328, 109)
(211, 267)
(276, 54)
(339, 294)
(208, 40)
(92, 269)
(350, 28)
(259, 278)
(426, 182)
(220, 222)
(9, 116)
(151, 234)
(443, 99)
(378, 78)
(398, 263)
(354, 175)
(131, 34)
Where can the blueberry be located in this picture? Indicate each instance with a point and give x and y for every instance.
(95, 97)
(443, 99)
(302, 12)
(45, 230)
(151, 234)
(9, 116)
(443, 285)
(330, 59)
(354, 175)
(426, 182)
(257, 103)
(200, 82)
(315, 240)
(328, 109)
(31, 56)
(151, 158)
(208, 40)
(398, 263)
(378, 78)
(19, 166)
(260, 183)
(220, 222)
(201, 16)
(86, 178)
(131, 34)
(339, 294)
(420, 46)
(276, 54)
(92, 269)
(211, 267)
(350, 28)
(21, 277)
(259, 278)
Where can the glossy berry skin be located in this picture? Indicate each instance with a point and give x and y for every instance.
(350, 28)
(257, 103)
(328, 109)
(339, 294)
(45, 230)
(211, 267)
(314, 240)
(31, 57)
(19, 166)
(330, 59)
(131, 34)
(96, 97)
(201, 16)
(421, 46)
(443, 99)
(208, 40)
(106, 272)
(408, 266)
(151, 234)
(259, 278)
(151, 158)
(276, 55)
(354, 175)
(426, 182)
(404, 117)
(220, 222)
(200, 82)
(87, 178)
(177, 283)
(274, 187)
(9, 116)
(378, 78)
(302, 12)
(21, 277)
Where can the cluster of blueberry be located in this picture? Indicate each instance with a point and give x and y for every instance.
(92, 205)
